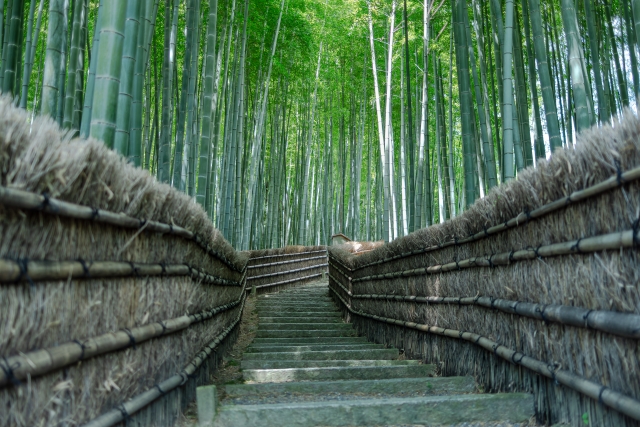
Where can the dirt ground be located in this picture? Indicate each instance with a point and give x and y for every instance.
(229, 372)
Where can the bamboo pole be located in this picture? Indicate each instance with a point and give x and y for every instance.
(41, 362)
(131, 406)
(611, 183)
(20, 199)
(280, 273)
(622, 403)
(620, 240)
(286, 262)
(616, 323)
(31, 271)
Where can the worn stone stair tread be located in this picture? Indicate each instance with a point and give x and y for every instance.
(302, 326)
(337, 373)
(283, 364)
(386, 387)
(513, 407)
(275, 333)
(377, 354)
(264, 311)
(302, 314)
(311, 341)
(259, 348)
(302, 319)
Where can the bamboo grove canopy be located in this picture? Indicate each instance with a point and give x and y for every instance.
(289, 121)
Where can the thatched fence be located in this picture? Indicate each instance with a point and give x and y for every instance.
(117, 294)
(536, 287)
(273, 270)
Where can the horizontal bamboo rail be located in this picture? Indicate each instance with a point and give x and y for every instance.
(285, 255)
(31, 271)
(26, 200)
(622, 403)
(611, 183)
(619, 240)
(622, 324)
(293, 261)
(40, 362)
(282, 273)
(284, 282)
(130, 407)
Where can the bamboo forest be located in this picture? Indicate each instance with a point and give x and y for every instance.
(291, 120)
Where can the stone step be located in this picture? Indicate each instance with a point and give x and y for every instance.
(306, 333)
(264, 348)
(285, 364)
(336, 373)
(311, 341)
(302, 326)
(292, 318)
(265, 310)
(514, 407)
(341, 389)
(294, 304)
(355, 354)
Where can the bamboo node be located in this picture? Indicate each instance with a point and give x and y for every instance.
(636, 232)
(125, 414)
(95, 213)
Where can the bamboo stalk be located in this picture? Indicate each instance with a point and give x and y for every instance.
(48, 360)
(622, 403)
(20, 199)
(619, 240)
(280, 273)
(622, 324)
(611, 183)
(131, 406)
(286, 262)
(31, 271)
(285, 255)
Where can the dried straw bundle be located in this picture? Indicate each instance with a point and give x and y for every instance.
(276, 269)
(48, 313)
(573, 272)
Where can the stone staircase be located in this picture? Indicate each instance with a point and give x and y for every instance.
(306, 367)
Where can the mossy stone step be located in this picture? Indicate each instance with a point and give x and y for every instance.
(285, 364)
(264, 348)
(355, 354)
(336, 373)
(311, 341)
(303, 326)
(388, 387)
(292, 318)
(429, 410)
(271, 333)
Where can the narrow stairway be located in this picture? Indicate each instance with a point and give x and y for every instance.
(307, 368)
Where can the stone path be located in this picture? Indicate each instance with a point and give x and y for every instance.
(306, 367)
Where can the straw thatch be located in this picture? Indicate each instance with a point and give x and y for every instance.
(528, 242)
(51, 312)
(359, 248)
(277, 269)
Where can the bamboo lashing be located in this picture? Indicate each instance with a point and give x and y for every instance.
(615, 400)
(611, 183)
(26, 200)
(15, 271)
